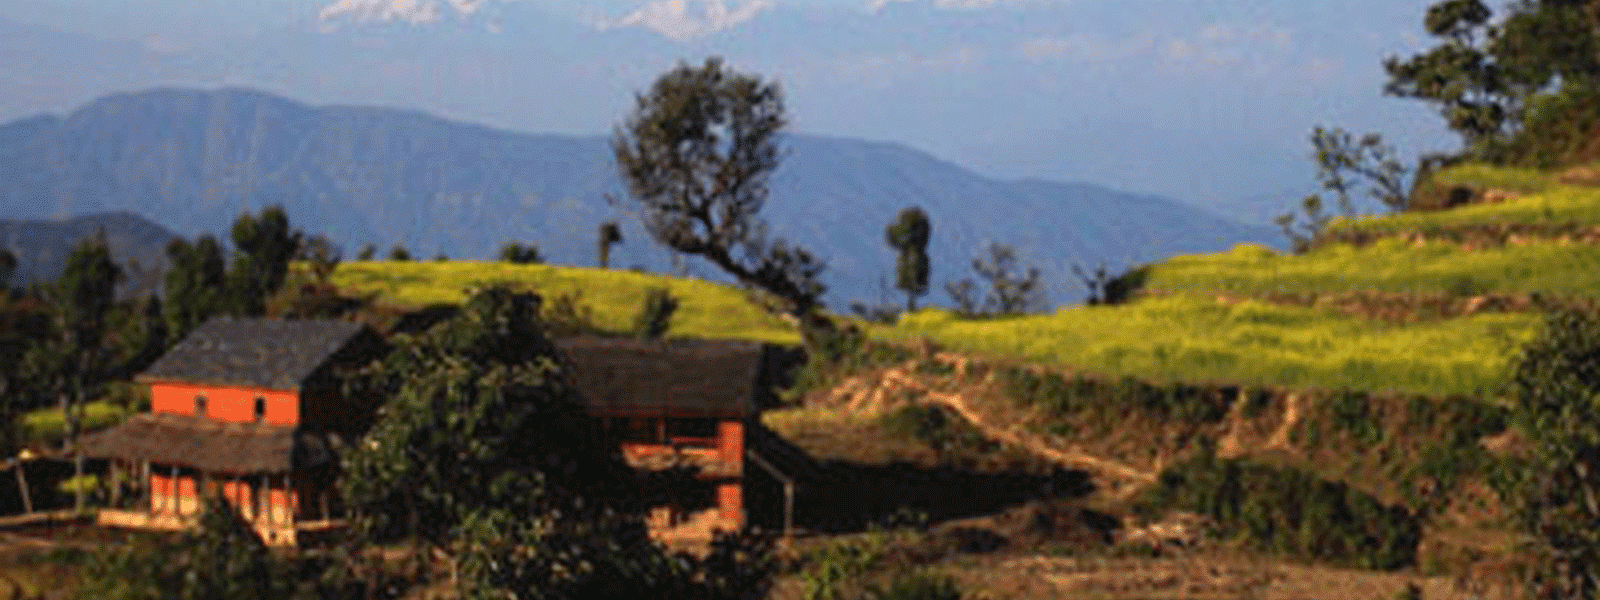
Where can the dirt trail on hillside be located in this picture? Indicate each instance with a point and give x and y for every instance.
(1124, 479)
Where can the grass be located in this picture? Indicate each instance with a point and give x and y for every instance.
(1557, 205)
(1388, 265)
(47, 424)
(706, 309)
(1186, 338)
(1511, 179)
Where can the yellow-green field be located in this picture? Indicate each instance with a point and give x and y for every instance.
(1187, 338)
(1483, 176)
(1164, 338)
(1388, 265)
(706, 309)
(1542, 201)
(47, 424)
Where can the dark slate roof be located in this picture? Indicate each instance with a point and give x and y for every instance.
(684, 378)
(265, 353)
(214, 446)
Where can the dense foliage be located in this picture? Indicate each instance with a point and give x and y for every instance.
(1521, 85)
(1289, 511)
(1555, 485)
(478, 422)
(222, 558)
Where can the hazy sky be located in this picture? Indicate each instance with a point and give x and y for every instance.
(1207, 101)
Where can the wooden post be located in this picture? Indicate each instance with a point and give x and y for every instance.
(265, 499)
(288, 501)
(115, 471)
(788, 511)
(22, 484)
(177, 505)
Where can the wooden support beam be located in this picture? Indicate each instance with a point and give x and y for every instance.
(22, 484)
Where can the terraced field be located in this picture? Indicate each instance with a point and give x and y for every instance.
(1223, 317)
(613, 297)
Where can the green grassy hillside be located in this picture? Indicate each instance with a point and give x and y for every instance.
(1197, 328)
(1388, 265)
(1188, 338)
(1540, 198)
(706, 309)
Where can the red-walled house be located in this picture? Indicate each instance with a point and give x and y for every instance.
(250, 409)
(679, 403)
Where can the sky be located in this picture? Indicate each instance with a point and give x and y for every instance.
(1205, 101)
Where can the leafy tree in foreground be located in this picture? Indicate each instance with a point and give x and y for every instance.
(908, 235)
(222, 558)
(486, 455)
(1555, 486)
(696, 154)
(86, 294)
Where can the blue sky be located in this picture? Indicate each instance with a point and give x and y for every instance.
(1206, 101)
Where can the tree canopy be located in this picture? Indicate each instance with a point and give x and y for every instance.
(265, 245)
(696, 154)
(908, 235)
(1521, 85)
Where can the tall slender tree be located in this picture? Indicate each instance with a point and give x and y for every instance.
(908, 235)
(87, 291)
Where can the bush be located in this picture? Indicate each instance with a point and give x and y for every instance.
(1081, 395)
(1289, 511)
(918, 585)
(1552, 487)
(223, 558)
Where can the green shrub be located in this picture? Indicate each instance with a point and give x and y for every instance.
(1082, 395)
(1289, 511)
(920, 584)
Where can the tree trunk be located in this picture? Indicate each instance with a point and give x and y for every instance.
(77, 452)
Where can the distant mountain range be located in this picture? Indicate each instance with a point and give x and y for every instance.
(193, 160)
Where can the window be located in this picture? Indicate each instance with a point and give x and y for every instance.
(261, 409)
(200, 405)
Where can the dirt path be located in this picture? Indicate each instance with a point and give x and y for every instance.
(1125, 479)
